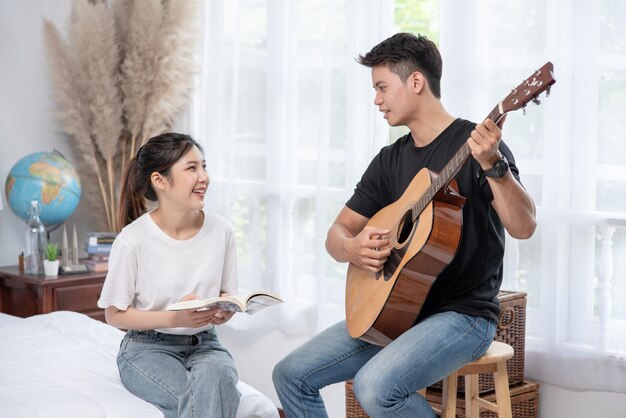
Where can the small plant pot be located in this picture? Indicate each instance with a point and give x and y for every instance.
(51, 268)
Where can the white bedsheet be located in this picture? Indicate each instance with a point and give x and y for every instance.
(63, 365)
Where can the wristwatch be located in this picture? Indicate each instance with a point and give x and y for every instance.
(499, 169)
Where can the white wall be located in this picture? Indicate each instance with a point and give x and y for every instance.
(28, 124)
(556, 402)
(27, 112)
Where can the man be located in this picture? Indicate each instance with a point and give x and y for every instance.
(458, 319)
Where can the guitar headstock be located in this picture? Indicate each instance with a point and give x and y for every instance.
(529, 90)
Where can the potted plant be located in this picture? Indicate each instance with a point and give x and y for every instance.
(51, 260)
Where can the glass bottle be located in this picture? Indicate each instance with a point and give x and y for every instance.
(35, 241)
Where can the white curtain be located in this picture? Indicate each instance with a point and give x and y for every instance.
(287, 120)
(572, 153)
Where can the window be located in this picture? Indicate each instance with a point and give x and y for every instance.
(288, 124)
(572, 161)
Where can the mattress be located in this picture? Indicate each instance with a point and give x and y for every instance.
(63, 364)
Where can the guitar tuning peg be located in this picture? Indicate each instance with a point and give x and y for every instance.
(524, 110)
(548, 91)
(536, 101)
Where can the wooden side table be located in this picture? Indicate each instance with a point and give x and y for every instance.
(25, 295)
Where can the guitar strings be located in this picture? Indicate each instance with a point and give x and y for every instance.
(415, 210)
(413, 213)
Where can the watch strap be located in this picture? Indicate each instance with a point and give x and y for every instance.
(499, 169)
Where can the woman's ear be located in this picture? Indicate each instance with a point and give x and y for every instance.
(159, 182)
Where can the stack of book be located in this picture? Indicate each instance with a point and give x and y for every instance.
(98, 247)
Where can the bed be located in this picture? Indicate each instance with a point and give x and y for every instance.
(62, 364)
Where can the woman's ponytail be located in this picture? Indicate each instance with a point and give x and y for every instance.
(132, 203)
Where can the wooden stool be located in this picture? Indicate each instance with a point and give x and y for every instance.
(493, 361)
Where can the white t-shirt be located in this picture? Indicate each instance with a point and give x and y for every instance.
(148, 269)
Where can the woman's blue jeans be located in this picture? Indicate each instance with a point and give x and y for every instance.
(182, 375)
(385, 379)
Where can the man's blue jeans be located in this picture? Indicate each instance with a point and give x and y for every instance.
(385, 379)
(183, 375)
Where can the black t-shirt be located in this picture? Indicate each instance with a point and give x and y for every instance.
(470, 283)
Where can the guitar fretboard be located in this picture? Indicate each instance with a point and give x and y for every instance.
(450, 170)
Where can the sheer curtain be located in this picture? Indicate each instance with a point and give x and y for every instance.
(288, 125)
(572, 154)
(287, 120)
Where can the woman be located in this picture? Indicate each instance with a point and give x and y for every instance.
(175, 252)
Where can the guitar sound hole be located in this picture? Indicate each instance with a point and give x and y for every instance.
(405, 234)
(405, 227)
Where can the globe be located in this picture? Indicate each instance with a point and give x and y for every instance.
(48, 178)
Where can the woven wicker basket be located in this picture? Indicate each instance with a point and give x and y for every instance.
(524, 402)
(511, 330)
(353, 409)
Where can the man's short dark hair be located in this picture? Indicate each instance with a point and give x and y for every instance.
(405, 53)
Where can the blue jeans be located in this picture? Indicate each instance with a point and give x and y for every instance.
(385, 379)
(182, 375)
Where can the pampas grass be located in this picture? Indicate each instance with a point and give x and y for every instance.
(141, 53)
(124, 75)
(70, 87)
(175, 63)
(92, 33)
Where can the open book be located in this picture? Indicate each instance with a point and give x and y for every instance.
(249, 303)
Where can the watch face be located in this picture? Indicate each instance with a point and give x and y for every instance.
(499, 169)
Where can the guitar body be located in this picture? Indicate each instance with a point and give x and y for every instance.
(381, 306)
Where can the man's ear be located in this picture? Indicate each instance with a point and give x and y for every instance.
(158, 181)
(417, 82)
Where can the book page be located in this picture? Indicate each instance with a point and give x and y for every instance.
(250, 303)
(261, 301)
(188, 304)
(245, 298)
(225, 303)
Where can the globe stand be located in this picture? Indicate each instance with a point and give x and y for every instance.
(52, 228)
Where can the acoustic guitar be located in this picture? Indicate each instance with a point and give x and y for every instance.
(425, 230)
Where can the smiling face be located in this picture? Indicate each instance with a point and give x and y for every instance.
(395, 98)
(186, 183)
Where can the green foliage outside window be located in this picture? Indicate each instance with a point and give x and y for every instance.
(418, 17)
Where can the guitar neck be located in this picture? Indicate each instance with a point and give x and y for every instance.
(527, 91)
(455, 164)
(452, 167)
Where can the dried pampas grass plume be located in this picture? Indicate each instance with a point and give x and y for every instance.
(73, 104)
(121, 11)
(125, 74)
(92, 33)
(138, 69)
(175, 65)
